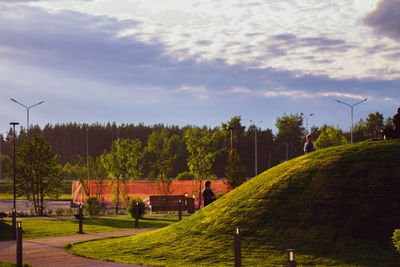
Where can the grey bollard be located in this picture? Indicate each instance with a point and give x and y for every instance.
(19, 244)
(180, 209)
(80, 219)
(290, 258)
(237, 246)
(137, 216)
(14, 224)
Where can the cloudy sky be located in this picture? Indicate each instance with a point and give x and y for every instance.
(198, 62)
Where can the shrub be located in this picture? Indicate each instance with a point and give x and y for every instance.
(185, 176)
(59, 211)
(3, 215)
(93, 206)
(396, 239)
(136, 202)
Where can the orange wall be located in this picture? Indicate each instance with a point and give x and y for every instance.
(144, 189)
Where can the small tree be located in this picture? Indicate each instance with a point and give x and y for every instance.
(234, 171)
(122, 163)
(330, 136)
(202, 153)
(161, 154)
(39, 172)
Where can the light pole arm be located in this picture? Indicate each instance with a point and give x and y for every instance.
(37, 104)
(342, 103)
(360, 102)
(12, 99)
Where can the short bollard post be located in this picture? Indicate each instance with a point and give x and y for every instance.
(180, 209)
(19, 244)
(290, 258)
(14, 224)
(137, 215)
(237, 245)
(80, 219)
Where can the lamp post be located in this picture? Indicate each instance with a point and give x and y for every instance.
(255, 146)
(14, 210)
(87, 156)
(351, 114)
(231, 129)
(306, 117)
(27, 112)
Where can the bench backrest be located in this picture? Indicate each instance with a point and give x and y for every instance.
(167, 203)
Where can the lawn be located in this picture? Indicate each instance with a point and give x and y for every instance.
(337, 207)
(12, 264)
(37, 228)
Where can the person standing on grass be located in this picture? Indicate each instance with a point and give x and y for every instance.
(309, 146)
(208, 194)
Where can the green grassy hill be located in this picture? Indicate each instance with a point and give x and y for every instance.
(338, 206)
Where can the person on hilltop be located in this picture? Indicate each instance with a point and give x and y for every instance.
(208, 194)
(309, 146)
(395, 132)
(396, 124)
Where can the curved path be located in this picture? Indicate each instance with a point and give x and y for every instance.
(50, 252)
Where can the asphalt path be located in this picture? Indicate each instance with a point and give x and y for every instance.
(49, 252)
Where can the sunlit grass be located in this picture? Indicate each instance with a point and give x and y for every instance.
(336, 207)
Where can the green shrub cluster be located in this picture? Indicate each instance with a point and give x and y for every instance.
(93, 206)
(136, 203)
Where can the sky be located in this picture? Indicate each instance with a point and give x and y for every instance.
(192, 62)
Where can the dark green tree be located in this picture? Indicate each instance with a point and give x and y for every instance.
(39, 172)
(161, 154)
(291, 133)
(374, 125)
(234, 171)
(360, 131)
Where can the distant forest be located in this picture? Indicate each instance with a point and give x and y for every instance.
(70, 141)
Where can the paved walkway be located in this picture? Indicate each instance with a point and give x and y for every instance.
(50, 252)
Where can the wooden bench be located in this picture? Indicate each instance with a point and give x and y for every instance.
(167, 203)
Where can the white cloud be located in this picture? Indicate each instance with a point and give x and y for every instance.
(240, 33)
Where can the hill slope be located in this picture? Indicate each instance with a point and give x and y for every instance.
(336, 206)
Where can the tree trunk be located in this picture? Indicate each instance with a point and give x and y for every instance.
(116, 206)
(200, 195)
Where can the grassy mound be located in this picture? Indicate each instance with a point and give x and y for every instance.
(337, 206)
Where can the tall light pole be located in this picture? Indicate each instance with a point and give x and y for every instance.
(27, 111)
(306, 117)
(86, 126)
(351, 114)
(87, 157)
(231, 129)
(255, 147)
(14, 210)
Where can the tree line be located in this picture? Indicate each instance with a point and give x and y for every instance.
(166, 150)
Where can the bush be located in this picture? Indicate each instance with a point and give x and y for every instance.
(136, 202)
(93, 206)
(59, 211)
(185, 176)
(396, 239)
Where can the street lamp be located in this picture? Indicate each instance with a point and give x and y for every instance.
(306, 117)
(87, 155)
(255, 146)
(351, 113)
(27, 111)
(14, 210)
(231, 129)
